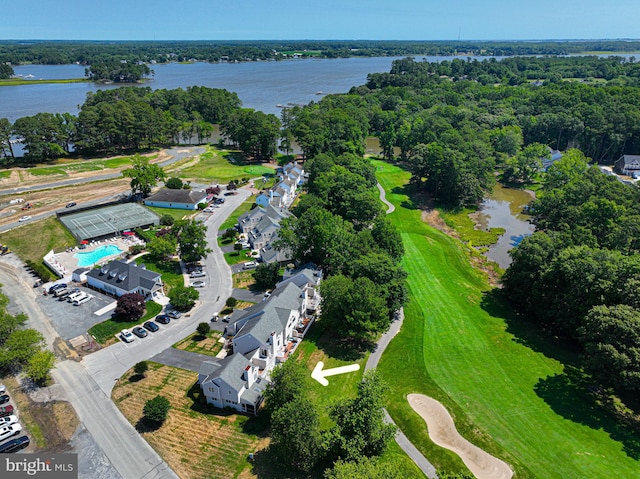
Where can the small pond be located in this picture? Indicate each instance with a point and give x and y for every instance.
(503, 209)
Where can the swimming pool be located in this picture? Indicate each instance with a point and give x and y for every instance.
(90, 258)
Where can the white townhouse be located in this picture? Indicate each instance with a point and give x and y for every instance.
(260, 337)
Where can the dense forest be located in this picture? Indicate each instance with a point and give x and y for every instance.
(87, 53)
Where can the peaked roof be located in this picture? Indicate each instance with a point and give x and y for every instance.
(229, 369)
(126, 276)
(179, 196)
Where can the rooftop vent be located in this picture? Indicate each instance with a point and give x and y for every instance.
(122, 277)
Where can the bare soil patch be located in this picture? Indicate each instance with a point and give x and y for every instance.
(442, 431)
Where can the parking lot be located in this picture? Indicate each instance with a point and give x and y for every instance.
(71, 320)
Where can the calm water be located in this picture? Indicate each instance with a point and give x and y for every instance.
(260, 85)
(503, 209)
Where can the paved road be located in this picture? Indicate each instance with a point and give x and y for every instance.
(372, 362)
(181, 359)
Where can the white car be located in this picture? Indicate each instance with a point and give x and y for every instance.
(198, 274)
(8, 420)
(8, 431)
(208, 209)
(198, 284)
(24, 218)
(3, 389)
(127, 336)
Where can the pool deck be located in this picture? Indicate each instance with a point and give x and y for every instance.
(65, 263)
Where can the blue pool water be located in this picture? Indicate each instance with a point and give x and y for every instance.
(92, 257)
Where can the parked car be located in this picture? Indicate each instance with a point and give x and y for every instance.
(219, 201)
(8, 420)
(151, 326)
(174, 314)
(163, 319)
(198, 274)
(24, 218)
(126, 336)
(198, 284)
(71, 205)
(250, 265)
(140, 332)
(3, 389)
(57, 286)
(82, 300)
(8, 431)
(226, 318)
(230, 193)
(208, 209)
(15, 444)
(6, 410)
(4, 398)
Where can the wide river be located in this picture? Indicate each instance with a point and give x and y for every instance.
(260, 85)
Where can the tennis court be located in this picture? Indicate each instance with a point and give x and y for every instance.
(109, 220)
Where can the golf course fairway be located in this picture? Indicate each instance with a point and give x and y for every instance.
(508, 390)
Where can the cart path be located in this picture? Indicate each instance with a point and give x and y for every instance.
(383, 197)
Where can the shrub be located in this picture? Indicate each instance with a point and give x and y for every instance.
(130, 306)
(157, 409)
(231, 302)
(174, 183)
(141, 368)
(166, 220)
(203, 329)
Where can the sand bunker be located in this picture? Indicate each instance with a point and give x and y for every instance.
(443, 432)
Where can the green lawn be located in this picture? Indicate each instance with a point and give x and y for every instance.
(232, 220)
(510, 391)
(196, 343)
(176, 214)
(106, 330)
(20, 81)
(219, 167)
(33, 240)
(170, 271)
(66, 166)
(232, 257)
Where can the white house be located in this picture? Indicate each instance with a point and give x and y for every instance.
(179, 199)
(118, 278)
(261, 336)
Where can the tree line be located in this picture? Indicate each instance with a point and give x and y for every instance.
(139, 118)
(89, 52)
(577, 276)
(339, 226)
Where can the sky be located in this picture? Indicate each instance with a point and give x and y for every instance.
(320, 20)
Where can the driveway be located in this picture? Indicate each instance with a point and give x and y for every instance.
(181, 359)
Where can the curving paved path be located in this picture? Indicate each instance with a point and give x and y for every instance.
(383, 197)
(372, 362)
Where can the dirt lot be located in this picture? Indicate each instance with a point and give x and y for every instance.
(44, 201)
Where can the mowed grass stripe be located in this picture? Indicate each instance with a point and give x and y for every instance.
(453, 349)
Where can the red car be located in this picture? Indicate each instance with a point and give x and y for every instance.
(6, 410)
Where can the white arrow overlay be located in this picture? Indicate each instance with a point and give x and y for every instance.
(319, 375)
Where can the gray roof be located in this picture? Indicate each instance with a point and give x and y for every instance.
(179, 196)
(229, 369)
(302, 278)
(271, 255)
(126, 276)
(630, 159)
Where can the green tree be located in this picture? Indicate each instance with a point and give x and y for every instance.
(8, 322)
(174, 183)
(203, 329)
(192, 239)
(362, 430)
(267, 275)
(144, 176)
(157, 409)
(141, 368)
(183, 298)
(611, 340)
(6, 148)
(572, 165)
(39, 365)
(166, 220)
(19, 347)
(162, 248)
(295, 435)
(356, 307)
(255, 132)
(231, 302)
(368, 468)
(526, 164)
(288, 383)
(130, 306)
